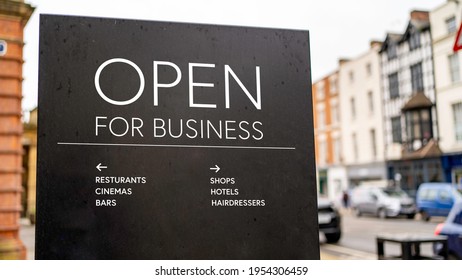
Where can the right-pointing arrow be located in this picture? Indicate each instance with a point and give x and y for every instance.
(216, 168)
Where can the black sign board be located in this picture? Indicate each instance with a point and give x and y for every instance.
(166, 140)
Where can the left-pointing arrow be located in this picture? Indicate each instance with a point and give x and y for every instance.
(99, 167)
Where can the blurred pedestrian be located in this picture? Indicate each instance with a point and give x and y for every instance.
(346, 199)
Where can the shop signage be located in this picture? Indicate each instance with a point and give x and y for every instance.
(163, 140)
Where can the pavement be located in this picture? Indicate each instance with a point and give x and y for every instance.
(335, 252)
(27, 235)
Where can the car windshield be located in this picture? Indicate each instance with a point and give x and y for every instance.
(395, 193)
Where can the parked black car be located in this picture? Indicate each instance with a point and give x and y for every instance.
(329, 220)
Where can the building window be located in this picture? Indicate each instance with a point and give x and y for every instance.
(454, 67)
(373, 143)
(322, 153)
(337, 150)
(351, 74)
(334, 111)
(393, 85)
(321, 119)
(451, 26)
(370, 99)
(418, 124)
(457, 112)
(414, 40)
(355, 146)
(320, 91)
(396, 129)
(417, 78)
(369, 69)
(333, 84)
(391, 51)
(353, 107)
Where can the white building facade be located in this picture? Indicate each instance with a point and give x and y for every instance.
(362, 118)
(445, 21)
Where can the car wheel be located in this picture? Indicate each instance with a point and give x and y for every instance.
(333, 237)
(382, 213)
(410, 216)
(452, 256)
(424, 216)
(358, 212)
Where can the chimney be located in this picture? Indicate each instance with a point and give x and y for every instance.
(419, 15)
(375, 44)
(343, 60)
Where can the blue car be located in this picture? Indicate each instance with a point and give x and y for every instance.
(452, 228)
(436, 199)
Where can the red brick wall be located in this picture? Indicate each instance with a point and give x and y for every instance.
(13, 16)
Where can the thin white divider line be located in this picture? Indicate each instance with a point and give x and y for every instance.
(175, 146)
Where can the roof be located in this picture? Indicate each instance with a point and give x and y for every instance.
(430, 150)
(417, 101)
(414, 25)
(418, 22)
(391, 38)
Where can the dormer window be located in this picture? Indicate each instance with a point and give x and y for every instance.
(391, 51)
(414, 40)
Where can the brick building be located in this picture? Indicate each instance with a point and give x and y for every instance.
(13, 18)
(326, 114)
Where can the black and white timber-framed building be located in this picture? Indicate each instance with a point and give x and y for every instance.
(409, 99)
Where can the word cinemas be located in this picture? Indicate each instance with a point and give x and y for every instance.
(192, 128)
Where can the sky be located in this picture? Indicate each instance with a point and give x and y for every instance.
(338, 28)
